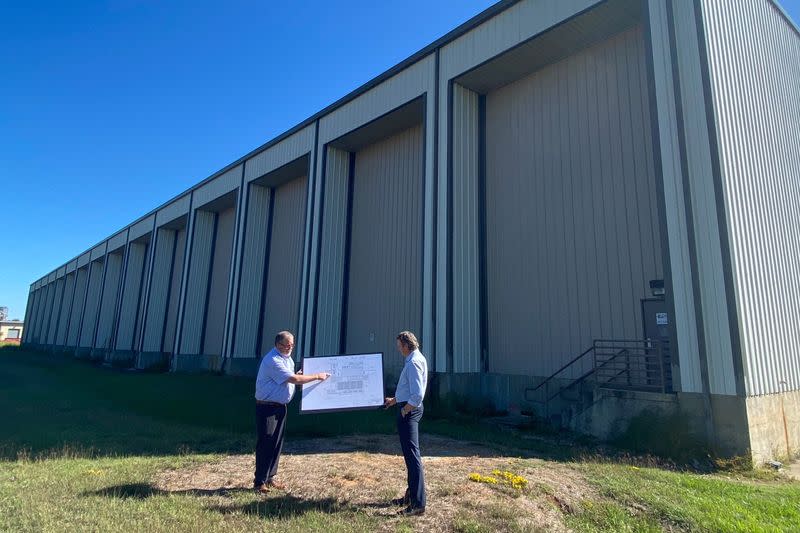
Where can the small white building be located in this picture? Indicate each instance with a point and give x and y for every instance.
(11, 331)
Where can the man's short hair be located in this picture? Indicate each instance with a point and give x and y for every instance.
(283, 336)
(408, 339)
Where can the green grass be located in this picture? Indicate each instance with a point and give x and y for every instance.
(687, 501)
(114, 494)
(50, 403)
(79, 446)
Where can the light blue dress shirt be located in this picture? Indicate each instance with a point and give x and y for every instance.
(272, 383)
(413, 379)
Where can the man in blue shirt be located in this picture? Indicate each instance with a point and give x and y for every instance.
(274, 390)
(408, 396)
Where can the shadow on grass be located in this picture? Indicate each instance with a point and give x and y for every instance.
(142, 491)
(281, 506)
(286, 506)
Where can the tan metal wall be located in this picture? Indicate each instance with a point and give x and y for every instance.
(108, 305)
(465, 248)
(159, 290)
(131, 296)
(218, 288)
(384, 293)
(572, 223)
(55, 311)
(677, 210)
(332, 255)
(711, 297)
(81, 279)
(49, 317)
(252, 272)
(66, 307)
(174, 291)
(40, 313)
(197, 283)
(754, 64)
(94, 289)
(282, 305)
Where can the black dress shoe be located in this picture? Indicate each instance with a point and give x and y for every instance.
(412, 511)
(405, 500)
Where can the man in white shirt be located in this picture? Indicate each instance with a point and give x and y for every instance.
(274, 390)
(408, 396)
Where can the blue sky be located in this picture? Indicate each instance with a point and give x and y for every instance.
(110, 107)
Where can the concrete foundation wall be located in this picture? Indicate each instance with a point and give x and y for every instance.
(608, 414)
(196, 363)
(147, 360)
(774, 425)
(242, 366)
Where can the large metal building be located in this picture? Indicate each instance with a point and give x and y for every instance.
(586, 208)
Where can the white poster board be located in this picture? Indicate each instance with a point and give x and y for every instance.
(356, 382)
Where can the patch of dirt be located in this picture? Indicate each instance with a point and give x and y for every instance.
(366, 471)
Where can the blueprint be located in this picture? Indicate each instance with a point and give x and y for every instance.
(356, 382)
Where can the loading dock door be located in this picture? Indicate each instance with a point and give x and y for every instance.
(282, 305)
(384, 293)
(572, 235)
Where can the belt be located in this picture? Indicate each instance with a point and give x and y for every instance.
(274, 404)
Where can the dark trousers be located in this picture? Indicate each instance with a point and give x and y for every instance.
(408, 429)
(270, 421)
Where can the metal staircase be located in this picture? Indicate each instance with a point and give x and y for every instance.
(633, 365)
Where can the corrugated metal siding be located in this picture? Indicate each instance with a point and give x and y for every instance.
(518, 23)
(194, 307)
(159, 290)
(143, 227)
(66, 308)
(280, 154)
(117, 240)
(406, 85)
(716, 334)
(685, 320)
(108, 305)
(37, 317)
(572, 222)
(77, 306)
(41, 313)
(28, 312)
(55, 311)
(47, 312)
(131, 295)
(41, 303)
(174, 210)
(386, 246)
(282, 305)
(466, 267)
(219, 186)
(218, 288)
(513, 26)
(394, 92)
(252, 272)
(754, 60)
(175, 291)
(98, 252)
(94, 290)
(334, 231)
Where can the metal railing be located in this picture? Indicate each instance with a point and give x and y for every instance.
(638, 365)
(641, 365)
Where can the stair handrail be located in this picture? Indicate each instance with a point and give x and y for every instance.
(557, 372)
